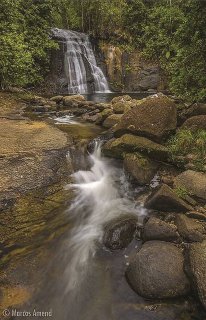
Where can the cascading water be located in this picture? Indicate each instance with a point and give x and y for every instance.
(81, 68)
(102, 194)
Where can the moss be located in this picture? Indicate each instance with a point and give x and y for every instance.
(188, 146)
(181, 192)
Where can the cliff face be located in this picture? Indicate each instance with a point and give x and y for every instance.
(129, 71)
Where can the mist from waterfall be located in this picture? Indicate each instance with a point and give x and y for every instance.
(81, 68)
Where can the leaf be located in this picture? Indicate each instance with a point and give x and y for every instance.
(168, 54)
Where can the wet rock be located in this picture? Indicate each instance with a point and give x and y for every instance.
(190, 229)
(155, 118)
(140, 167)
(119, 232)
(195, 123)
(57, 99)
(72, 101)
(156, 271)
(157, 229)
(130, 143)
(197, 262)
(165, 199)
(121, 99)
(194, 182)
(112, 120)
(93, 118)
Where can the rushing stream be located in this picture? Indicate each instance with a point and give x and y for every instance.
(76, 278)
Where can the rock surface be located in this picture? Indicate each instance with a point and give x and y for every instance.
(156, 271)
(195, 123)
(165, 199)
(154, 118)
(119, 232)
(197, 260)
(190, 229)
(130, 143)
(194, 182)
(112, 120)
(140, 167)
(157, 229)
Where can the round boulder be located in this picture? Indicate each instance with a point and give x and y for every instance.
(119, 232)
(156, 271)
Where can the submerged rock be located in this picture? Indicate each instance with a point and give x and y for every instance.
(157, 229)
(119, 232)
(140, 167)
(197, 261)
(190, 229)
(194, 182)
(165, 199)
(154, 117)
(130, 143)
(156, 271)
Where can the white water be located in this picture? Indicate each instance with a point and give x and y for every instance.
(101, 194)
(68, 119)
(80, 63)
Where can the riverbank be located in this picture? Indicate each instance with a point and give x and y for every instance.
(137, 132)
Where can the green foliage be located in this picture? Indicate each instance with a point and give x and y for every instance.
(189, 146)
(181, 192)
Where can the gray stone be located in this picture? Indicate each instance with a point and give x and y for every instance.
(157, 229)
(197, 262)
(157, 272)
(165, 199)
(190, 229)
(194, 182)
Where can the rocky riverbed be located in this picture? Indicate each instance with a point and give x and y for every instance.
(162, 145)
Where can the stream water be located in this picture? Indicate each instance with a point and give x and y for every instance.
(72, 276)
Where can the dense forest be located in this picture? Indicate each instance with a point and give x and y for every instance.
(173, 32)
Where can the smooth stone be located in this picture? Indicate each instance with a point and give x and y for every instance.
(190, 229)
(157, 229)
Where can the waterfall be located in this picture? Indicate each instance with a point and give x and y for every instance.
(80, 65)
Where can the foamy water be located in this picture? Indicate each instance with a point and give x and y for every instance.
(101, 195)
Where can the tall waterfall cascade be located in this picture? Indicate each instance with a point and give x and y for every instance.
(80, 64)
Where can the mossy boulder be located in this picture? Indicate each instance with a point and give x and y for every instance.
(106, 113)
(121, 99)
(122, 107)
(195, 123)
(129, 143)
(73, 101)
(112, 120)
(155, 118)
(192, 181)
(164, 198)
(141, 168)
(157, 271)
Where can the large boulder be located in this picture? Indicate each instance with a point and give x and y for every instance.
(194, 182)
(190, 229)
(157, 229)
(119, 232)
(155, 118)
(197, 262)
(195, 123)
(130, 143)
(112, 120)
(73, 101)
(140, 167)
(165, 199)
(156, 271)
